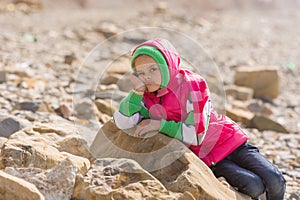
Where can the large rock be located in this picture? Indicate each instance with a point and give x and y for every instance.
(263, 122)
(55, 184)
(263, 80)
(111, 178)
(169, 160)
(42, 146)
(12, 187)
(66, 136)
(35, 152)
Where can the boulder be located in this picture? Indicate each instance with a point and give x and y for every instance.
(111, 178)
(167, 159)
(263, 122)
(31, 151)
(263, 80)
(55, 184)
(42, 146)
(12, 187)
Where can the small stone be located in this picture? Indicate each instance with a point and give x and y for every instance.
(240, 115)
(69, 59)
(10, 124)
(86, 109)
(110, 79)
(31, 106)
(2, 76)
(64, 111)
(238, 92)
(107, 29)
(105, 107)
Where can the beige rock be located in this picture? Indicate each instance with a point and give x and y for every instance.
(111, 178)
(67, 136)
(26, 152)
(55, 184)
(262, 122)
(189, 173)
(178, 169)
(108, 29)
(82, 164)
(103, 118)
(240, 115)
(120, 66)
(161, 7)
(263, 80)
(12, 187)
(110, 79)
(2, 141)
(42, 150)
(73, 144)
(59, 128)
(105, 107)
(239, 104)
(238, 92)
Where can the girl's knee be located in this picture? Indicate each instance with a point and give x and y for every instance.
(275, 183)
(254, 188)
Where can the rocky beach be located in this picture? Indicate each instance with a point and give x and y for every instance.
(63, 72)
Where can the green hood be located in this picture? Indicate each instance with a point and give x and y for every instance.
(159, 59)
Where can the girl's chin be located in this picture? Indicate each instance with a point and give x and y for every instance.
(152, 88)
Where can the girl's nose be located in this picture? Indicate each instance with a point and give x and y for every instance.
(147, 77)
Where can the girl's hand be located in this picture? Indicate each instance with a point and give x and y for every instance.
(138, 83)
(146, 126)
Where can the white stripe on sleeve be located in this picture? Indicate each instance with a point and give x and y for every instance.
(124, 122)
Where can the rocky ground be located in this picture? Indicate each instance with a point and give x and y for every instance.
(56, 58)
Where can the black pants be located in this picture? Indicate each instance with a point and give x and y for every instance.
(251, 173)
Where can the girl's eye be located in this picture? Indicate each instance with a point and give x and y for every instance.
(153, 69)
(140, 74)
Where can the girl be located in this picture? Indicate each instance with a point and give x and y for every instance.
(176, 102)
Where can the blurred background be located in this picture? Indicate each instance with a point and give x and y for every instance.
(46, 59)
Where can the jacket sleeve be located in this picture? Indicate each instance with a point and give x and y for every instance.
(131, 104)
(184, 131)
(187, 131)
(200, 97)
(131, 111)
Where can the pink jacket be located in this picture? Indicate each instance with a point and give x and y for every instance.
(221, 135)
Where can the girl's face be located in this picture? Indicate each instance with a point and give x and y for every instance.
(148, 71)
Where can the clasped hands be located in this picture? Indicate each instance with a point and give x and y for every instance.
(147, 126)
